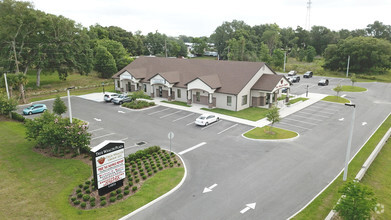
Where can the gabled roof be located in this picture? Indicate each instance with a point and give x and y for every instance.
(227, 76)
(267, 82)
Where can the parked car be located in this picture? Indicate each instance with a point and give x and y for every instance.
(122, 99)
(36, 108)
(290, 79)
(308, 74)
(206, 119)
(284, 90)
(109, 97)
(292, 73)
(323, 82)
(293, 79)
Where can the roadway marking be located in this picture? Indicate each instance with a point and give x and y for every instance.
(102, 136)
(121, 112)
(210, 125)
(341, 119)
(313, 114)
(209, 189)
(293, 125)
(343, 95)
(183, 117)
(306, 117)
(124, 139)
(98, 129)
(190, 123)
(300, 121)
(248, 207)
(170, 114)
(227, 129)
(323, 107)
(364, 123)
(192, 148)
(97, 119)
(158, 111)
(321, 112)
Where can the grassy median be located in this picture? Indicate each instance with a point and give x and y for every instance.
(265, 133)
(37, 187)
(336, 99)
(252, 113)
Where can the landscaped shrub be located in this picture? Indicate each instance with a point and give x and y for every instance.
(83, 204)
(102, 198)
(92, 204)
(134, 188)
(112, 199)
(160, 167)
(119, 196)
(138, 104)
(73, 199)
(86, 197)
(150, 173)
(76, 202)
(135, 173)
(130, 183)
(80, 186)
(137, 180)
(126, 192)
(179, 164)
(78, 190)
(113, 193)
(86, 187)
(155, 170)
(88, 191)
(17, 117)
(126, 187)
(79, 195)
(144, 177)
(118, 191)
(88, 182)
(171, 164)
(130, 179)
(92, 199)
(103, 203)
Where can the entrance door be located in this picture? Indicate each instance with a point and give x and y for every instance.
(160, 91)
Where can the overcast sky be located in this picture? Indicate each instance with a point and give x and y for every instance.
(201, 17)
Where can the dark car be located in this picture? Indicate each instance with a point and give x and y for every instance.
(323, 82)
(308, 74)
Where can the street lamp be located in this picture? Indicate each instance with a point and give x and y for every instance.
(103, 84)
(69, 104)
(6, 85)
(306, 94)
(345, 174)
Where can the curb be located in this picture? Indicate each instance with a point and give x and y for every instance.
(161, 197)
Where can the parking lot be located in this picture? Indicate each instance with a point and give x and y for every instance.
(312, 83)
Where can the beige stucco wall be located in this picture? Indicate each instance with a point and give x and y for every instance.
(198, 84)
(221, 101)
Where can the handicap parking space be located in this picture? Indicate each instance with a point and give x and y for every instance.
(312, 116)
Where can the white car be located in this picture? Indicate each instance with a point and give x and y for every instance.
(109, 97)
(292, 73)
(206, 119)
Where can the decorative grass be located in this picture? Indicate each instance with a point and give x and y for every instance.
(177, 103)
(252, 113)
(353, 89)
(264, 133)
(324, 203)
(37, 187)
(335, 99)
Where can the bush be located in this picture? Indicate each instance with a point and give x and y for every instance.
(160, 167)
(155, 170)
(88, 191)
(126, 187)
(149, 173)
(59, 106)
(83, 204)
(120, 196)
(92, 199)
(113, 199)
(135, 173)
(80, 186)
(103, 203)
(78, 190)
(79, 195)
(137, 180)
(102, 198)
(17, 117)
(138, 104)
(134, 188)
(92, 204)
(86, 197)
(73, 199)
(126, 192)
(119, 191)
(88, 182)
(130, 183)
(86, 187)
(76, 202)
(179, 164)
(113, 193)
(130, 179)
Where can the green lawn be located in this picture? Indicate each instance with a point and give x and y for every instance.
(353, 89)
(335, 99)
(37, 187)
(252, 113)
(322, 205)
(293, 101)
(379, 179)
(263, 133)
(177, 103)
(72, 92)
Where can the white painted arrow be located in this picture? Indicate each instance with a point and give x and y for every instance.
(364, 123)
(343, 95)
(249, 206)
(121, 112)
(341, 119)
(209, 189)
(97, 119)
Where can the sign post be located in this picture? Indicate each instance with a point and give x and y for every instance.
(108, 166)
(170, 136)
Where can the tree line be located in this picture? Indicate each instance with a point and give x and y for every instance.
(35, 40)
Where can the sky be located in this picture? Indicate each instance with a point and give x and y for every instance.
(202, 17)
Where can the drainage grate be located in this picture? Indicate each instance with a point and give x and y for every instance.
(141, 143)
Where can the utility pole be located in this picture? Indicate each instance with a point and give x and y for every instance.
(345, 173)
(347, 68)
(6, 85)
(284, 60)
(308, 17)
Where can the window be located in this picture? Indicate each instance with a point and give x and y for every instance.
(198, 96)
(145, 87)
(178, 93)
(244, 100)
(229, 100)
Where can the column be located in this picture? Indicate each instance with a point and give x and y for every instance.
(152, 91)
(210, 100)
(188, 94)
(135, 86)
(271, 100)
(287, 95)
(169, 94)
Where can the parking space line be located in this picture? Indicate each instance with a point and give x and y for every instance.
(227, 129)
(183, 117)
(320, 107)
(124, 139)
(98, 129)
(190, 123)
(210, 125)
(313, 114)
(300, 121)
(294, 125)
(158, 111)
(192, 148)
(321, 112)
(102, 136)
(170, 114)
(305, 117)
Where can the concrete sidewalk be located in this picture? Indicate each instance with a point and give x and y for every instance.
(284, 112)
